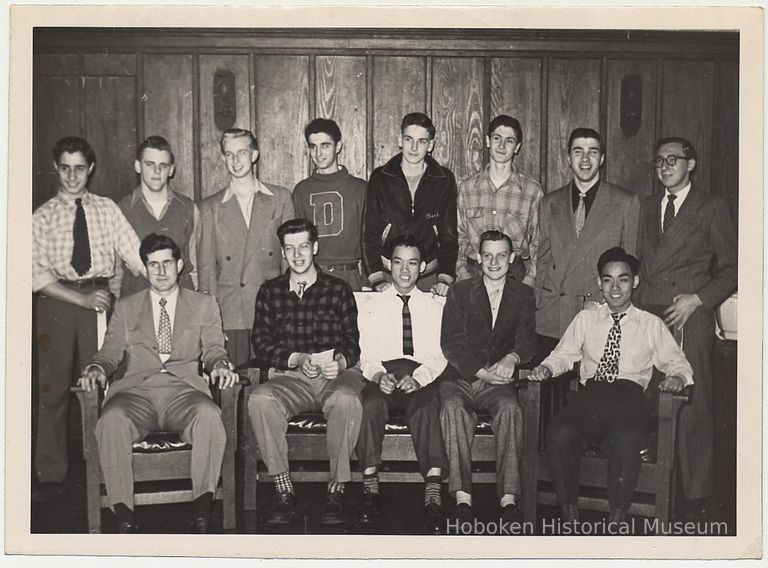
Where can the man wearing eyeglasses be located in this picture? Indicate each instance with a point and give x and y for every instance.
(239, 250)
(688, 253)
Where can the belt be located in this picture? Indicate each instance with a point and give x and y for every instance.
(331, 267)
(87, 283)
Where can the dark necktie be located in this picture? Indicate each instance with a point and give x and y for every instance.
(581, 214)
(81, 250)
(302, 287)
(669, 213)
(608, 368)
(164, 330)
(407, 329)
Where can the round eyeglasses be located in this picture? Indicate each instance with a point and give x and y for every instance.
(670, 160)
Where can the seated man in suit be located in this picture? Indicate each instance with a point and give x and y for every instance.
(618, 346)
(401, 357)
(162, 333)
(488, 330)
(305, 328)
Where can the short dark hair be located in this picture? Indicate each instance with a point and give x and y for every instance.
(298, 225)
(495, 235)
(688, 150)
(154, 242)
(156, 143)
(418, 119)
(618, 254)
(323, 126)
(238, 133)
(506, 120)
(406, 240)
(586, 133)
(72, 145)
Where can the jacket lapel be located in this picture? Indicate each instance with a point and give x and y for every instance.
(479, 300)
(601, 209)
(146, 317)
(181, 319)
(676, 237)
(262, 210)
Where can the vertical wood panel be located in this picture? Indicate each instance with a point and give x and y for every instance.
(725, 154)
(56, 114)
(399, 87)
(458, 114)
(111, 130)
(574, 101)
(628, 158)
(168, 111)
(341, 96)
(214, 172)
(516, 91)
(57, 64)
(282, 111)
(109, 63)
(687, 112)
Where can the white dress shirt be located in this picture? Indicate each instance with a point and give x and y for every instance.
(170, 307)
(645, 343)
(678, 202)
(380, 322)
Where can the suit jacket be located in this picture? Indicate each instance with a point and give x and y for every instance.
(698, 254)
(468, 340)
(566, 270)
(235, 260)
(131, 335)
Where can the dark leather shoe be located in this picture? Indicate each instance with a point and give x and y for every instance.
(511, 514)
(433, 517)
(127, 527)
(370, 508)
(333, 509)
(283, 510)
(464, 514)
(200, 525)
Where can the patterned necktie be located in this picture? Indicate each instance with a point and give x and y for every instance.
(302, 286)
(407, 328)
(164, 329)
(608, 368)
(81, 250)
(581, 214)
(669, 212)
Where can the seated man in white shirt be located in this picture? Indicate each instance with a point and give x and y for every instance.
(401, 357)
(618, 345)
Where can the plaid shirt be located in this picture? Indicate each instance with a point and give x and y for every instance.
(108, 233)
(326, 318)
(513, 209)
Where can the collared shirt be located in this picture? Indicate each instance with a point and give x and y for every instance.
(381, 332)
(246, 205)
(645, 343)
(108, 233)
(512, 208)
(678, 202)
(170, 307)
(589, 196)
(325, 318)
(494, 298)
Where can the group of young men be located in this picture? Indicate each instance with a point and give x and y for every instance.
(544, 280)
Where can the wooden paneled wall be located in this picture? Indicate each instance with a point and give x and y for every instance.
(115, 89)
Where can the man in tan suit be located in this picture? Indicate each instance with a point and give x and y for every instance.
(162, 334)
(238, 249)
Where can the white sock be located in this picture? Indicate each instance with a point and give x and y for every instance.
(463, 497)
(508, 499)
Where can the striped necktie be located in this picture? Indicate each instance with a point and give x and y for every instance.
(407, 329)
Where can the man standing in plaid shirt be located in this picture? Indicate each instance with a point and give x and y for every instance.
(75, 237)
(500, 198)
(305, 329)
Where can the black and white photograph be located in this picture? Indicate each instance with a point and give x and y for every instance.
(416, 273)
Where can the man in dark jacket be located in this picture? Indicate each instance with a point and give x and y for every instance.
(413, 194)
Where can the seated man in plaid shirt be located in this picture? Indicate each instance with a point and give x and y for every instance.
(305, 328)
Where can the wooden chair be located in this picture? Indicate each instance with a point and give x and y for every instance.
(653, 494)
(309, 459)
(160, 456)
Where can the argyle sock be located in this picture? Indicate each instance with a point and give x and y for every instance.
(371, 482)
(334, 486)
(283, 483)
(432, 490)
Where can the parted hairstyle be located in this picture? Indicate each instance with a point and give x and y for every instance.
(618, 254)
(495, 235)
(155, 143)
(323, 126)
(72, 145)
(298, 225)
(154, 242)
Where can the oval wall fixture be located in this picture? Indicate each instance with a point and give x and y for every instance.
(224, 104)
(631, 104)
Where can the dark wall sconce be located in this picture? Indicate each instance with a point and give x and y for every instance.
(631, 104)
(224, 104)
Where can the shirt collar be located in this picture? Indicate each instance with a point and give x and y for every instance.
(258, 187)
(70, 199)
(630, 310)
(513, 178)
(172, 297)
(592, 188)
(680, 195)
(138, 196)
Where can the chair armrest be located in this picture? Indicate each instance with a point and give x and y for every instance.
(90, 402)
(249, 378)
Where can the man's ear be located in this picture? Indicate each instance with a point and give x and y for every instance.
(315, 246)
(282, 252)
(136, 167)
(179, 265)
(431, 145)
(479, 258)
(517, 148)
(422, 267)
(339, 146)
(487, 142)
(602, 159)
(254, 156)
(635, 282)
(399, 140)
(171, 170)
(691, 165)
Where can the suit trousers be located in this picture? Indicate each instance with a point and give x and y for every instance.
(422, 414)
(459, 399)
(288, 393)
(696, 430)
(162, 402)
(65, 342)
(617, 416)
